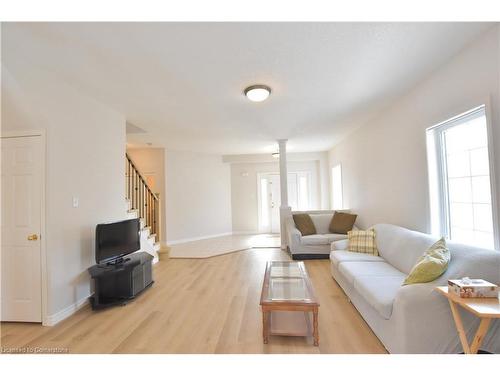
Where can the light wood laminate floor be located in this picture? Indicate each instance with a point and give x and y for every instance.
(203, 306)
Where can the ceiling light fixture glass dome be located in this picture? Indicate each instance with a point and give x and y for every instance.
(257, 93)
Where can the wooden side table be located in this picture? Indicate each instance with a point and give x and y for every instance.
(486, 309)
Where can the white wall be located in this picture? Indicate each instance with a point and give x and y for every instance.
(198, 196)
(85, 159)
(244, 196)
(384, 162)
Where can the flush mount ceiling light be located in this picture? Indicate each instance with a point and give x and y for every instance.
(257, 93)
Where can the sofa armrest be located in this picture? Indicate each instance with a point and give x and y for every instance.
(421, 312)
(293, 234)
(340, 245)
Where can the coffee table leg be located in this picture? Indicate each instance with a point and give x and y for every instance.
(265, 326)
(315, 327)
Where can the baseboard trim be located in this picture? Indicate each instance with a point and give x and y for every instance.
(65, 313)
(184, 240)
(253, 233)
(246, 232)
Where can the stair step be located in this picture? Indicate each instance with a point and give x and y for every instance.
(163, 252)
(132, 214)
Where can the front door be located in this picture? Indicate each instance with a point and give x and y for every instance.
(21, 166)
(270, 200)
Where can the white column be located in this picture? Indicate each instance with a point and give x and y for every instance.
(285, 210)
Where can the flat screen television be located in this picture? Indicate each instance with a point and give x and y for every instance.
(115, 240)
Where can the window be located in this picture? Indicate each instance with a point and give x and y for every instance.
(461, 204)
(303, 194)
(337, 199)
(264, 203)
(299, 191)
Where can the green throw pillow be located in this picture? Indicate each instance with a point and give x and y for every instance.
(431, 265)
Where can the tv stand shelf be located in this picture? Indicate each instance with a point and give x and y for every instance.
(116, 284)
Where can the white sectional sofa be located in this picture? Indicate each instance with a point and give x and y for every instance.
(412, 318)
(315, 246)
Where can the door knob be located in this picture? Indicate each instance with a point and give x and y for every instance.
(32, 237)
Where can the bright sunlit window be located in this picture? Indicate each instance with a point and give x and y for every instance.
(459, 166)
(337, 198)
(303, 191)
(264, 203)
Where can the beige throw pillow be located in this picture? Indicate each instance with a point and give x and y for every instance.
(362, 241)
(304, 224)
(342, 222)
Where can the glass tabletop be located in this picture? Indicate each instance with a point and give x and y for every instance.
(287, 283)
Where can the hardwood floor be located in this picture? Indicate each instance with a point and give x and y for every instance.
(203, 306)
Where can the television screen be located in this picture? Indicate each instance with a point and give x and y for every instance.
(115, 240)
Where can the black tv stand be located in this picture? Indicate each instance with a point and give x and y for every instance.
(118, 283)
(115, 262)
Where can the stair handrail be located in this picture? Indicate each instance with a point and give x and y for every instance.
(142, 198)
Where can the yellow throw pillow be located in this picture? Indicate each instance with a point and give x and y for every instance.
(362, 241)
(431, 265)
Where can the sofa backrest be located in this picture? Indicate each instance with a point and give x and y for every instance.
(402, 247)
(321, 222)
(321, 219)
(473, 262)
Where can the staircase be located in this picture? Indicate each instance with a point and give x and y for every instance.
(142, 203)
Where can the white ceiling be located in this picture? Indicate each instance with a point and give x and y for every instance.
(182, 82)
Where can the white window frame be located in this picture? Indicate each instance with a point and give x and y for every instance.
(341, 187)
(438, 190)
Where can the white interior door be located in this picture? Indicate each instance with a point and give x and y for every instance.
(21, 166)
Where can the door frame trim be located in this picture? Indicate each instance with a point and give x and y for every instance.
(43, 229)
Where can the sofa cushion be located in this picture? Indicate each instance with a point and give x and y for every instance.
(339, 256)
(342, 222)
(314, 239)
(350, 270)
(332, 237)
(321, 222)
(379, 291)
(304, 224)
(401, 247)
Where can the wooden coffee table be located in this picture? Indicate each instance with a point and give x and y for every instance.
(287, 300)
